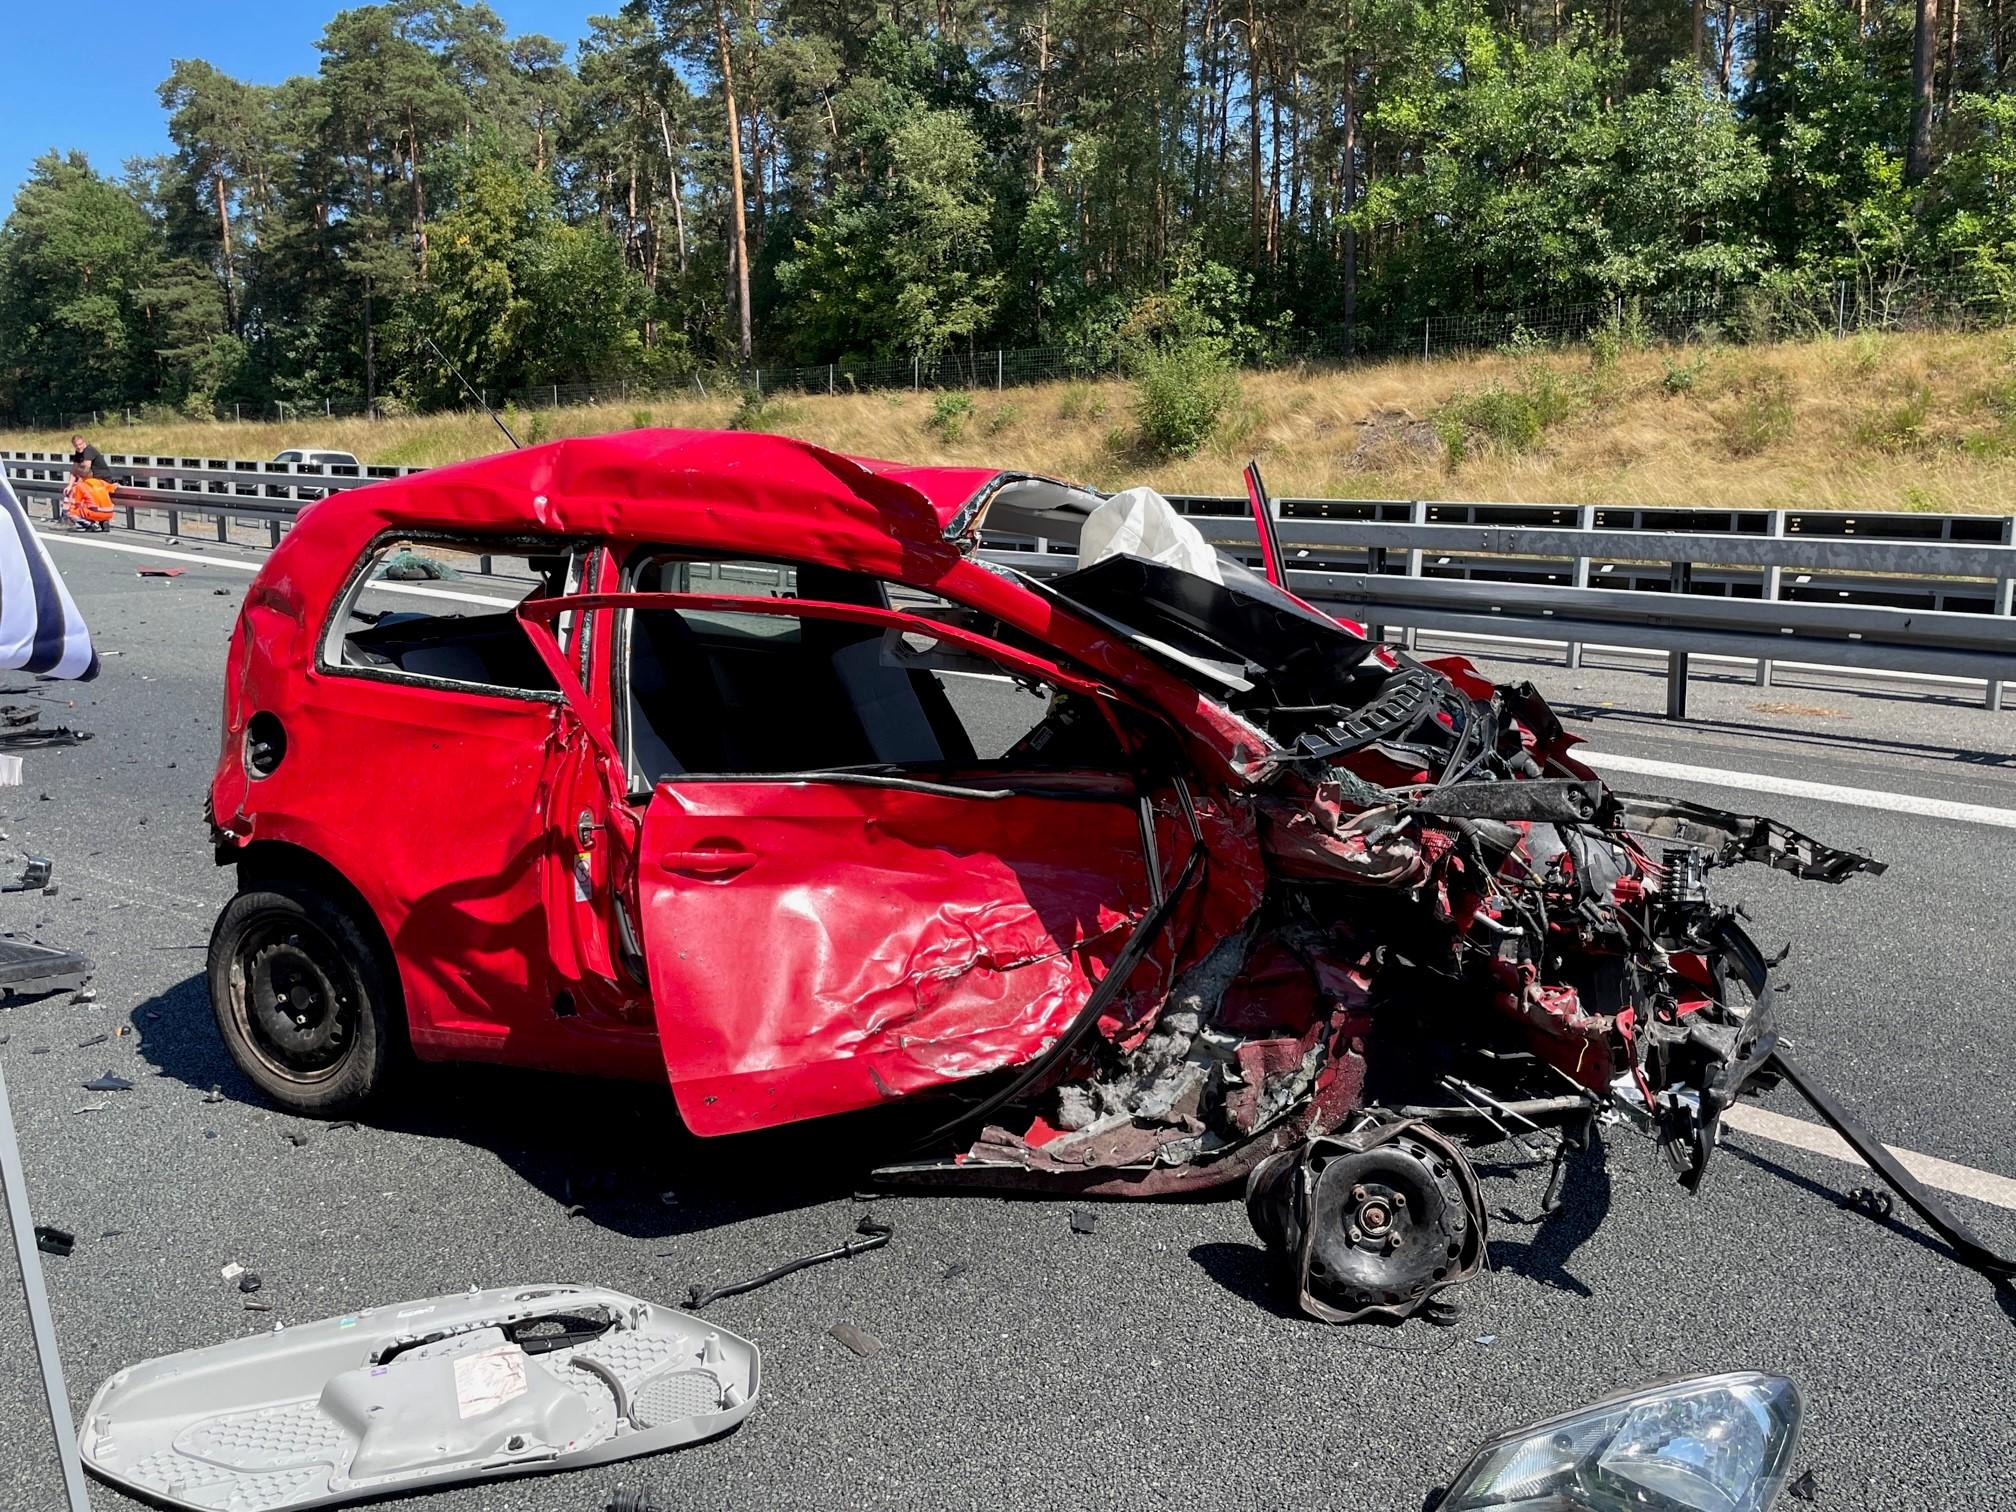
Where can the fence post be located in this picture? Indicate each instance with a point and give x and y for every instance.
(999, 369)
(238, 413)
(1676, 661)
(1417, 514)
(2005, 604)
(829, 380)
(916, 372)
(325, 407)
(1424, 338)
(1774, 581)
(1840, 308)
(1585, 519)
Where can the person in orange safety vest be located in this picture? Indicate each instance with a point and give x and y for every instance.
(88, 499)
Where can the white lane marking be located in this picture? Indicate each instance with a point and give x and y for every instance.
(148, 551)
(1818, 1139)
(1793, 787)
(243, 566)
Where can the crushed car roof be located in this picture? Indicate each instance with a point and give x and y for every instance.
(656, 483)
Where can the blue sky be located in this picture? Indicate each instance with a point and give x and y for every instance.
(96, 63)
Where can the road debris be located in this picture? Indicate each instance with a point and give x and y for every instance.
(249, 1282)
(462, 1393)
(160, 572)
(109, 1082)
(54, 1241)
(232, 1271)
(857, 1339)
(1083, 1221)
(873, 1235)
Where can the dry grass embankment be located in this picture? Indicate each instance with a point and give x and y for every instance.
(1924, 422)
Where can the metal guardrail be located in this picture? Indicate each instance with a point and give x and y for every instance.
(1895, 592)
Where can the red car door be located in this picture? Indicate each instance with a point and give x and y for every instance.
(820, 941)
(818, 946)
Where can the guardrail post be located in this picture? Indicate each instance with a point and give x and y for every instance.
(1417, 514)
(174, 521)
(1676, 661)
(223, 529)
(2005, 604)
(272, 533)
(1585, 519)
(132, 518)
(1774, 579)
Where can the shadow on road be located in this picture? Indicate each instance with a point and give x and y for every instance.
(1900, 1223)
(1248, 1272)
(1585, 1201)
(616, 1150)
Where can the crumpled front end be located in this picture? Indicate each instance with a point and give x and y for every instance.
(1455, 922)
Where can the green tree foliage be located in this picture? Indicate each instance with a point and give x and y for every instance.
(1182, 184)
(75, 256)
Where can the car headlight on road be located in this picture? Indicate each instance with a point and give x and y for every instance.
(1720, 1443)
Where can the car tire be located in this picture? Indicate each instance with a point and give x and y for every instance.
(303, 996)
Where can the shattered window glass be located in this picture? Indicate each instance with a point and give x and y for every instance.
(444, 612)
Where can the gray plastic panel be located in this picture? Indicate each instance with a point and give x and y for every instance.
(416, 1395)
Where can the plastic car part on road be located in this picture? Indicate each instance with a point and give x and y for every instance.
(415, 1396)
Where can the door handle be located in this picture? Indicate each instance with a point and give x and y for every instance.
(713, 863)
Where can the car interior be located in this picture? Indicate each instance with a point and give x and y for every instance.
(716, 692)
(446, 641)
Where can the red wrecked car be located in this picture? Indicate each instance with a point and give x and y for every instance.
(723, 759)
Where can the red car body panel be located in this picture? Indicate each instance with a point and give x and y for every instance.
(819, 947)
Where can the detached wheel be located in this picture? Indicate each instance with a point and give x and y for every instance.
(302, 997)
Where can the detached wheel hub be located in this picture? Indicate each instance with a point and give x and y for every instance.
(1370, 1224)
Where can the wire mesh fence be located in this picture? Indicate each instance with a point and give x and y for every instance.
(1740, 315)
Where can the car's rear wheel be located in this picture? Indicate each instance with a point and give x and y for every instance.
(301, 993)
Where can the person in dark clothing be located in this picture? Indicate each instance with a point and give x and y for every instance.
(83, 451)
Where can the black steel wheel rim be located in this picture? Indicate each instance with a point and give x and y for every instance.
(294, 997)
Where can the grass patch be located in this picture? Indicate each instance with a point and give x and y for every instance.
(1510, 418)
(1756, 415)
(759, 412)
(949, 417)
(1677, 377)
(1898, 427)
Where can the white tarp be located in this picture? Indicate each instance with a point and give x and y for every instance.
(1141, 523)
(40, 628)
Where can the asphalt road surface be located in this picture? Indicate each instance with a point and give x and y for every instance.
(1148, 1362)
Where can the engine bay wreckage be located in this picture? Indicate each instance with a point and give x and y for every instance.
(1414, 918)
(1259, 901)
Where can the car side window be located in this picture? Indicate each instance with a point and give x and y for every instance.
(443, 612)
(720, 692)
